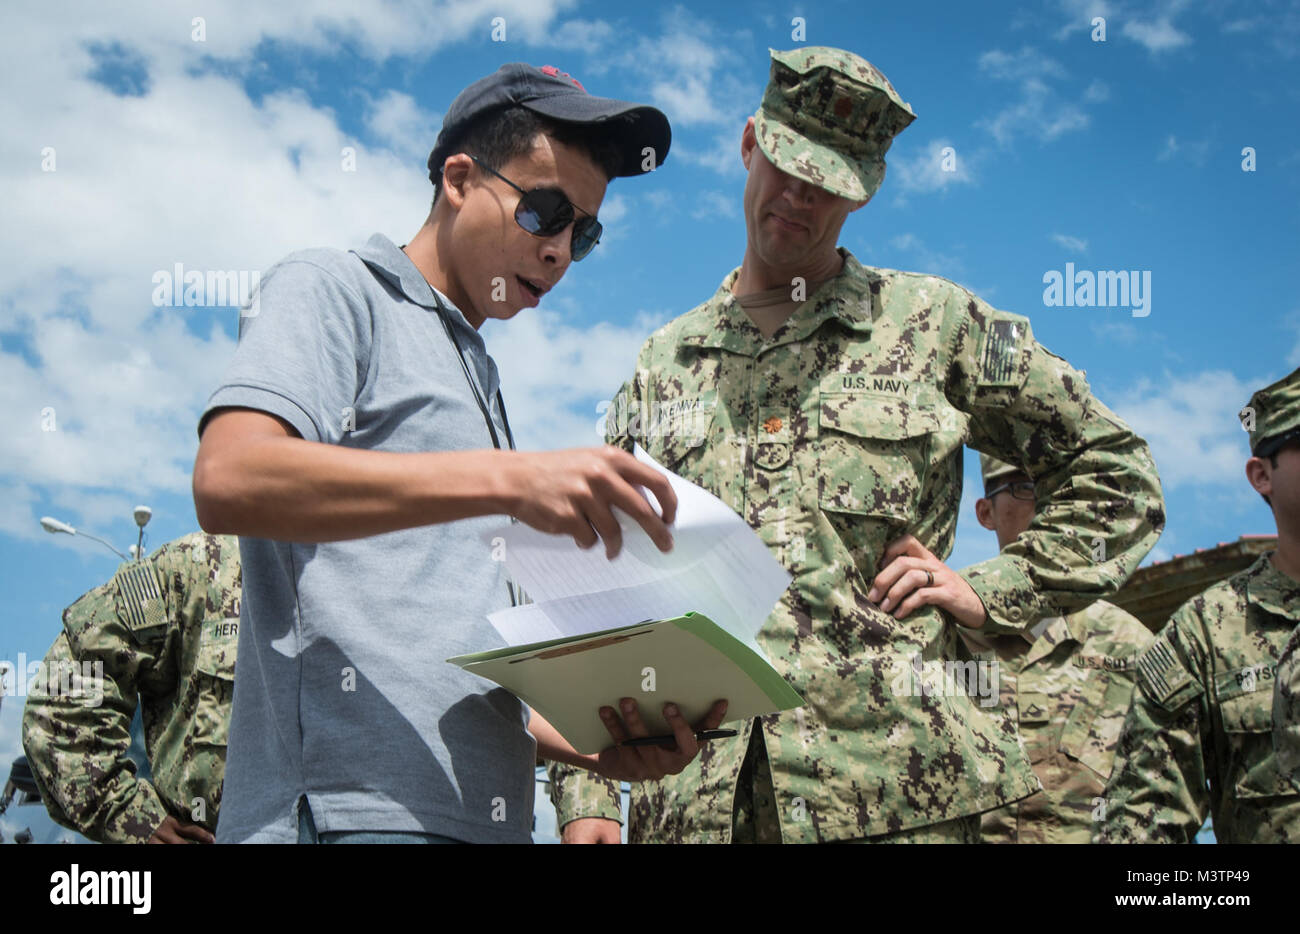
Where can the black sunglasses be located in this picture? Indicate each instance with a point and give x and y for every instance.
(544, 212)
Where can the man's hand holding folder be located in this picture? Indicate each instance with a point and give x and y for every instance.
(630, 763)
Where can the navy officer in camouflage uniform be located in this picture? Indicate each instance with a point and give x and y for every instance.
(161, 634)
(822, 399)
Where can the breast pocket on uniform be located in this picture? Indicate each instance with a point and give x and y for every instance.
(1092, 729)
(872, 453)
(679, 432)
(214, 681)
(1245, 701)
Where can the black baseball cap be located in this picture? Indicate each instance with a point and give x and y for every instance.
(558, 96)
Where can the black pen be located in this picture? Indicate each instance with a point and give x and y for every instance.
(670, 740)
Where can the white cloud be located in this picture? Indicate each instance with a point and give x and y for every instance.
(924, 171)
(1021, 65)
(397, 121)
(919, 257)
(1291, 322)
(1040, 111)
(584, 35)
(232, 30)
(1115, 332)
(1097, 91)
(663, 206)
(1073, 244)
(1242, 25)
(1195, 152)
(614, 210)
(1080, 14)
(1159, 35)
(552, 371)
(691, 70)
(722, 156)
(1190, 420)
(187, 170)
(686, 100)
(713, 204)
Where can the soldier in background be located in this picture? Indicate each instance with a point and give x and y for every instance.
(162, 633)
(809, 393)
(1203, 711)
(1286, 711)
(1068, 682)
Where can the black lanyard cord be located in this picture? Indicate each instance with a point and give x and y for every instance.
(473, 386)
(517, 595)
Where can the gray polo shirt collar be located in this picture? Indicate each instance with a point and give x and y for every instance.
(387, 259)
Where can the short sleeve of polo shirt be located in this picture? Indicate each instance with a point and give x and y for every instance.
(304, 345)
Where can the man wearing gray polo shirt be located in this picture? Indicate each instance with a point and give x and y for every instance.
(359, 447)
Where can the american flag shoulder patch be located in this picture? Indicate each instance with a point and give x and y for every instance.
(141, 598)
(1002, 352)
(1163, 675)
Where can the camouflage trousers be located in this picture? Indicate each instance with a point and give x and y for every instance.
(755, 818)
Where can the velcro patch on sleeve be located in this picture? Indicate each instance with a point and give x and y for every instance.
(141, 598)
(1164, 677)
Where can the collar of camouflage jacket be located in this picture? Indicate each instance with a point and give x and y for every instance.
(1072, 628)
(847, 297)
(1271, 590)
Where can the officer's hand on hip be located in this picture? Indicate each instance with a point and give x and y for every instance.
(591, 830)
(911, 577)
(651, 763)
(573, 493)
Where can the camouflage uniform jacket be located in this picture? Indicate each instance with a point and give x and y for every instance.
(1069, 691)
(1286, 710)
(831, 438)
(165, 632)
(1203, 714)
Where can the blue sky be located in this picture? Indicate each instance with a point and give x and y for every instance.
(225, 153)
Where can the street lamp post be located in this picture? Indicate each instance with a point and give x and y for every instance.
(142, 514)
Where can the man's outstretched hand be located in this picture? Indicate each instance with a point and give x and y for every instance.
(650, 763)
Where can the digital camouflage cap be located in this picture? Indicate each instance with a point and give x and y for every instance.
(991, 468)
(829, 117)
(1272, 416)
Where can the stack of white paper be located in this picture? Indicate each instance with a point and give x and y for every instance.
(718, 566)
